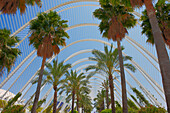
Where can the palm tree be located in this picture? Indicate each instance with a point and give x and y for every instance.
(81, 89)
(163, 58)
(85, 103)
(8, 54)
(47, 33)
(162, 14)
(115, 19)
(108, 62)
(99, 100)
(73, 83)
(105, 85)
(54, 77)
(10, 6)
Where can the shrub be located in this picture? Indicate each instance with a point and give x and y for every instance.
(106, 111)
(152, 109)
(3, 103)
(74, 111)
(14, 109)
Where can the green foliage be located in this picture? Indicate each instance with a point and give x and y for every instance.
(163, 17)
(8, 53)
(140, 96)
(152, 109)
(99, 100)
(108, 62)
(3, 103)
(10, 7)
(131, 110)
(119, 13)
(39, 108)
(48, 27)
(106, 111)
(74, 111)
(48, 109)
(56, 71)
(132, 105)
(12, 101)
(66, 109)
(117, 104)
(14, 109)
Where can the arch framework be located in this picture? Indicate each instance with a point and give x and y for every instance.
(27, 61)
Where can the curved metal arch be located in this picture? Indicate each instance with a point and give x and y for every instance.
(87, 24)
(47, 93)
(96, 40)
(136, 65)
(140, 85)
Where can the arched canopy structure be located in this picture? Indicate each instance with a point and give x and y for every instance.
(84, 37)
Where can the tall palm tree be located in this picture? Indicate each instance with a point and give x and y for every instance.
(85, 103)
(105, 85)
(162, 14)
(56, 71)
(99, 100)
(47, 34)
(11, 6)
(163, 58)
(108, 62)
(72, 83)
(8, 54)
(82, 89)
(115, 19)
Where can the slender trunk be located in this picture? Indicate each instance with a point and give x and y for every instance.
(103, 104)
(73, 94)
(112, 93)
(123, 82)
(55, 100)
(38, 87)
(107, 97)
(163, 57)
(78, 103)
(82, 109)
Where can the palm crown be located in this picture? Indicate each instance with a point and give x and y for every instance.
(162, 14)
(114, 20)
(8, 53)
(47, 33)
(10, 6)
(108, 61)
(56, 71)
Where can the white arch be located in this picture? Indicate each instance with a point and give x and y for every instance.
(83, 51)
(135, 64)
(87, 24)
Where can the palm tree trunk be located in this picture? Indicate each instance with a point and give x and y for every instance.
(112, 93)
(163, 57)
(77, 103)
(103, 104)
(107, 97)
(38, 86)
(55, 100)
(82, 109)
(123, 82)
(73, 94)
